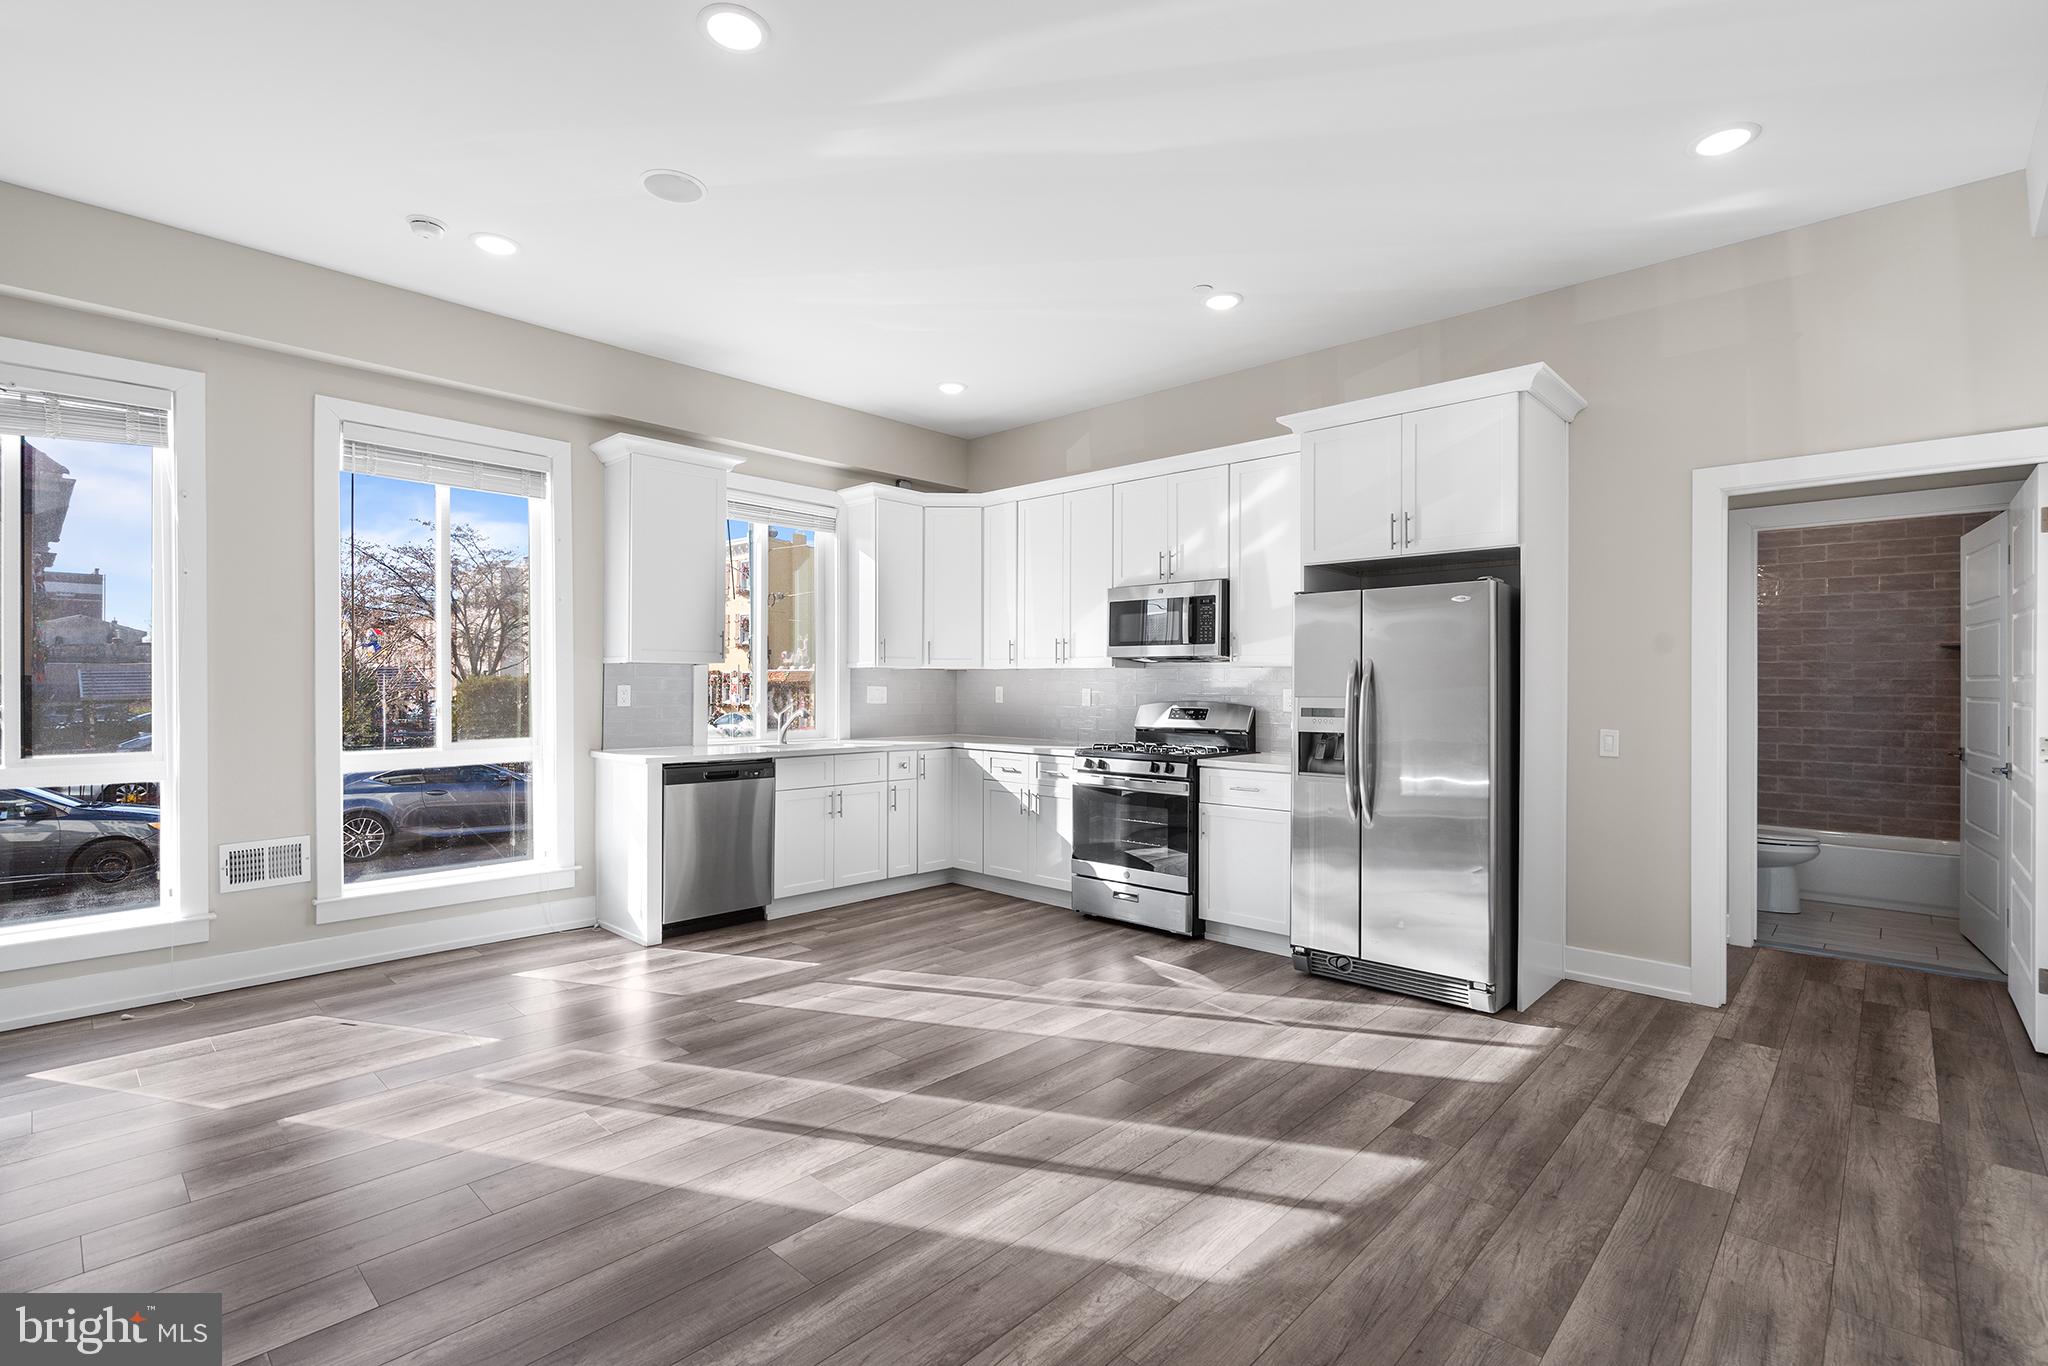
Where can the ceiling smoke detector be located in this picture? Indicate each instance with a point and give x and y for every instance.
(676, 187)
(427, 229)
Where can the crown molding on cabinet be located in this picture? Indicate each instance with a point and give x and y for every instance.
(1539, 381)
(619, 445)
(1070, 483)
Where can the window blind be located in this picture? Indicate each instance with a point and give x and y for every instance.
(798, 516)
(393, 462)
(33, 412)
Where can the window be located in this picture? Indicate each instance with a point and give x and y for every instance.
(444, 773)
(774, 578)
(93, 828)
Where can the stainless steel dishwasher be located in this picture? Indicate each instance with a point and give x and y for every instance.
(717, 838)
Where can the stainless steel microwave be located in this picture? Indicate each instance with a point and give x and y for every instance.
(1155, 621)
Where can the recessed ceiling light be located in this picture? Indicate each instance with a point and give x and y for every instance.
(1726, 140)
(677, 187)
(734, 27)
(951, 387)
(425, 228)
(493, 244)
(1222, 302)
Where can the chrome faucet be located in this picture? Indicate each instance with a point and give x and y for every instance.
(789, 718)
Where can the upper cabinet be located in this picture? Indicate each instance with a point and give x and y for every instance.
(1173, 526)
(916, 574)
(1265, 558)
(1063, 579)
(952, 587)
(664, 551)
(1442, 472)
(999, 585)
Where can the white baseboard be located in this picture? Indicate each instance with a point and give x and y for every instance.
(870, 891)
(1243, 938)
(95, 993)
(1649, 976)
(1023, 891)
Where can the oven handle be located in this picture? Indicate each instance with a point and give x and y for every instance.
(1168, 786)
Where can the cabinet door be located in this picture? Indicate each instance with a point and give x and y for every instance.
(1005, 831)
(1265, 569)
(899, 584)
(1245, 867)
(965, 801)
(1041, 580)
(1052, 837)
(1144, 529)
(1088, 573)
(860, 834)
(1201, 524)
(803, 848)
(934, 810)
(1461, 476)
(1351, 492)
(664, 561)
(999, 586)
(952, 587)
(903, 846)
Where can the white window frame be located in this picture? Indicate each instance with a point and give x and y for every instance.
(828, 676)
(177, 758)
(550, 865)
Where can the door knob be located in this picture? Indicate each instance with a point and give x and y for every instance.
(2003, 770)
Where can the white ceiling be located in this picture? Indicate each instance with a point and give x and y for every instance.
(1016, 195)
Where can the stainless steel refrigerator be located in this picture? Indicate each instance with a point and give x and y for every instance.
(1404, 872)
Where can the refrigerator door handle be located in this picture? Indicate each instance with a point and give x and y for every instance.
(1369, 741)
(1352, 683)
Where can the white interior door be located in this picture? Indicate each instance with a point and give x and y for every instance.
(2023, 807)
(1981, 870)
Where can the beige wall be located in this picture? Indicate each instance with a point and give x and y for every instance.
(260, 467)
(1920, 319)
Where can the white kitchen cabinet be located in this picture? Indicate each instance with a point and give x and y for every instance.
(1052, 836)
(885, 553)
(803, 847)
(934, 817)
(1351, 492)
(952, 587)
(1459, 466)
(859, 831)
(1245, 867)
(1006, 834)
(1430, 482)
(1088, 579)
(664, 551)
(999, 586)
(964, 801)
(1173, 526)
(904, 851)
(1265, 559)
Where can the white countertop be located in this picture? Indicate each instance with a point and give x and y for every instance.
(1257, 763)
(798, 749)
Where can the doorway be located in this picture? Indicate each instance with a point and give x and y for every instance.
(1724, 758)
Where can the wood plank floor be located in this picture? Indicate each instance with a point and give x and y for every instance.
(950, 1127)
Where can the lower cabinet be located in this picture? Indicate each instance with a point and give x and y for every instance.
(933, 818)
(963, 802)
(1052, 837)
(905, 801)
(1245, 867)
(829, 837)
(1006, 846)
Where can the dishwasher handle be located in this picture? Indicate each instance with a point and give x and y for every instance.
(679, 775)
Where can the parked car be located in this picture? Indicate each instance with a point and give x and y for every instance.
(381, 812)
(733, 723)
(48, 837)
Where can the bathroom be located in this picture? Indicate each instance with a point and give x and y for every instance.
(1865, 847)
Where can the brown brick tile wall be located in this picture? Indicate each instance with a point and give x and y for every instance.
(1858, 680)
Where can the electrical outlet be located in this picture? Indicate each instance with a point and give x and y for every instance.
(625, 694)
(877, 694)
(999, 692)
(1610, 744)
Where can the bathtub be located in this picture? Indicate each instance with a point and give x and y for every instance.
(1887, 871)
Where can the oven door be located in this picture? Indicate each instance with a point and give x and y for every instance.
(1139, 831)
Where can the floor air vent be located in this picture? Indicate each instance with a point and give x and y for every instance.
(266, 863)
(1430, 987)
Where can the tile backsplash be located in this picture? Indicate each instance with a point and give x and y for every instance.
(1084, 706)
(920, 702)
(661, 710)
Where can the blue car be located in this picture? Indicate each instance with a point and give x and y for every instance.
(48, 837)
(381, 812)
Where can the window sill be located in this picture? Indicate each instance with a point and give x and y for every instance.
(428, 891)
(39, 944)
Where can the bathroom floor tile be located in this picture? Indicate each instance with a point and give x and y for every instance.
(1874, 934)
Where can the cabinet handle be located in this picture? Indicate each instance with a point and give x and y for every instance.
(882, 651)
(1013, 652)
(920, 765)
(1407, 529)
(1242, 787)
(1173, 562)
(892, 796)
(1161, 566)
(928, 652)
(1393, 541)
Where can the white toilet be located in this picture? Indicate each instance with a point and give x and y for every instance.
(1777, 871)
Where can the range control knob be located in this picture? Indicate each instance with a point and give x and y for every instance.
(1155, 765)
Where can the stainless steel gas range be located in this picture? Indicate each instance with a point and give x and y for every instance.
(1135, 813)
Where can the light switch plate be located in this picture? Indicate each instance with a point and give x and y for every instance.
(999, 692)
(1610, 744)
(877, 694)
(625, 694)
